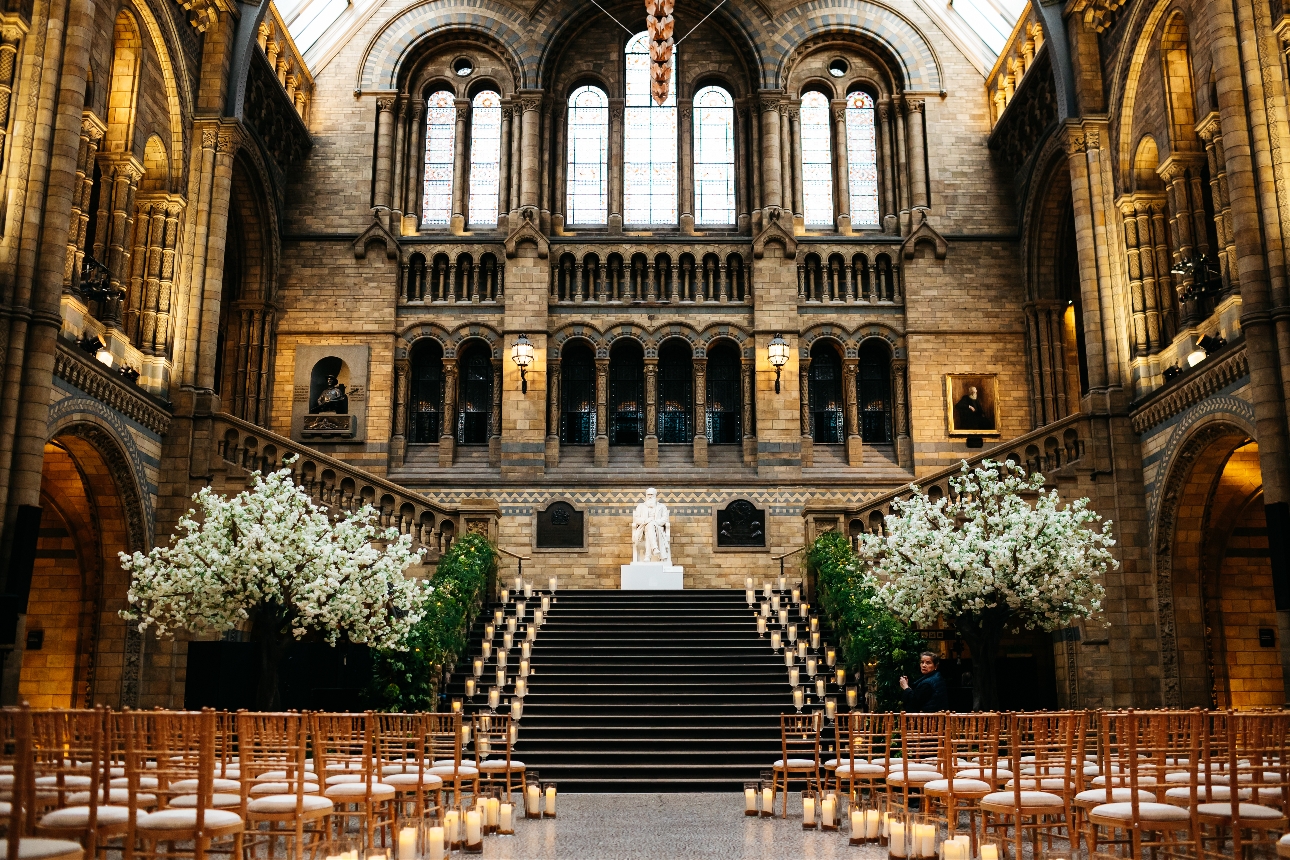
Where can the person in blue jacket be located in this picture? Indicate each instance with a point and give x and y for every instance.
(927, 694)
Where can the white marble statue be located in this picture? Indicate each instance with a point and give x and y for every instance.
(651, 531)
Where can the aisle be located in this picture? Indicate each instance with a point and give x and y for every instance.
(669, 827)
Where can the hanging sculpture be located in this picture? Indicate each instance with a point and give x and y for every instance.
(660, 24)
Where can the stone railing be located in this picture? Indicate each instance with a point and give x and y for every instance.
(712, 274)
(1050, 450)
(107, 386)
(285, 61)
(1016, 58)
(455, 275)
(342, 487)
(844, 274)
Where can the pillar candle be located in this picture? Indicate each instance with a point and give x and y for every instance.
(896, 848)
(452, 827)
(774, 640)
(550, 800)
(819, 687)
(801, 649)
(546, 603)
(761, 626)
(794, 675)
(524, 668)
(434, 843)
(840, 677)
(774, 603)
(498, 616)
(765, 589)
(857, 823)
(830, 656)
(519, 582)
(486, 649)
(501, 658)
(477, 667)
(827, 809)
(505, 815)
(517, 708)
(750, 800)
(797, 594)
(521, 687)
(407, 843)
(506, 595)
(871, 824)
(799, 698)
(808, 811)
(473, 834)
(539, 616)
(530, 634)
(508, 639)
(927, 840)
(783, 583)
(830, 708)
(493, 809)
(531, 799)
(792, 633)
(470, 688)
(811, 666)
(749, 597)
(989, 852)
(526, 650)
(511, 623)
(815, 640)
(494, 698)
(748, 583)
(500, 678)
(767, 799)
(521, 609)
(528, 589)
(852, 697)
(765, 609)
(551, 583)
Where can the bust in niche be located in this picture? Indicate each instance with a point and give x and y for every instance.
(332, 398)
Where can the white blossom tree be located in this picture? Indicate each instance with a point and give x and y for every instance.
(271, 557)
(999, 554)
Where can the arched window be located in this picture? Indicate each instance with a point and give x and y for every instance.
(862, 159)
(426, 401)
(649, 144)
(675, 392)
(725, 399)
(485, 157)
(475, 396)
(578, 395)
(626, 394)
(873, 392)
(436, 199)
(588, 189)
(826, 393)
(817, 161)
(714, 157)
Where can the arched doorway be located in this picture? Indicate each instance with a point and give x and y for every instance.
(426, 397)
(626, 393)
(725, 395)
(577, 394)
(675, 392)
(873, 392)
(475, 395)
(827, 406)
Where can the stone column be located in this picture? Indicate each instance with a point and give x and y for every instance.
(1129, 218)
(804, 399)
(700, 370)
(531, 129)
(399, 159)
(413, 174)
(917, 158)
(460, 168)
(900, 415)
(615, 166)
(561, 161)
(855, 448)
(553, 413)
(448, 422)
(517, 134)
(92, 131)
(795, 125)
(742, 163)
(402, 379)
(602, 412)
(1151, 281)
(840, 156)
(902, 167)
(384, 158)
(113, 244)
(746, 369)
(504, 170)
(651, 413)
(10, 41)
(544, 167)
(685, 116)
(771, 162)
(887, 164)
(1211, 133)
(495, 423)
(1166, 295)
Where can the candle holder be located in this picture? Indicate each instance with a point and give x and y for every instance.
(775, 605)
(792, 633)
(801, 650)
(519, 582)
(796, 593)
(532, 796)
(526, 649)
(767, 783)
(499, 677)
(521, 687)
(830, 656)
(752, 790)
(472, 819)
(548, 795)
(506, 595)
(774, 640)
(761, 626)
(830, 709)
(782, 615)
(870, 821)
(539, 617)
(434, 846)
(502, 657)
(749, 596)
(993, 848)
(456, 706)
(499, 615)
(525, 668)
(840, 676)
(511, 623)
(959, 847)
(546, 603)
(783, 583)
(853, 698)
(810, 806)
(898, 837)
(508, 639)
(494, 698)
(530, 634)
(925, 833)
(528, 590)
(829, 812)
(789, 658)
(517, 708)
(551, 584)
(811, 665)
(477, 667)
(748, 582)
(452, 829)
(486, 649)
(804, 609)
(794, 676)
(819, 687)
(799, 698)
(490, 630)
(765, 589)
(815, 639)
(470, 688)
(505, 818)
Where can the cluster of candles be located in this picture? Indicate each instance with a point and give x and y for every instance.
(539, 798)
(520, 625)
(801, 642)
(462, 827)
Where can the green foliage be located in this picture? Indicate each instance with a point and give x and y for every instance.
(872, 639)
(407, 680)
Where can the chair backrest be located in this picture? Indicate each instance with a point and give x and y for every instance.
(172, 746)
(399, 743)
(492, 737)
(226, 755)
(342, 744)
(972, 741)
(1259, 762)
(443, 733)
(922, 740)
(67, 756)
(800, 737)
(870, 735)
(15, 735)
(273, 743)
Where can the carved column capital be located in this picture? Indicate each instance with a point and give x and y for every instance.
(385, 104)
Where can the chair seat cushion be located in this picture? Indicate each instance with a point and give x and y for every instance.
(1118, 795)
(914, 777)
(146, 783)
(46, 849)
(263, 789)
(186, 819)
(187, 785)
(1143, 781)
(410, 780)
(358, 790)
(120, 796)
(1123, 811)
(79, 816)
(845, 771)
(219, 800)
(70, 780)
(1184, 778)
(1046, 783)
(795, 763)
(500, 764)
(276, 804)
(962, 787)
(1208, 793)
(280, 775)
(984, 773)
(1250, 811)
(465, 771)
(1028, 799)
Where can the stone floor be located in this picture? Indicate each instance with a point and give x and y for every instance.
(668, 827)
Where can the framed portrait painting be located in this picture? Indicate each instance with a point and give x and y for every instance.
(972, 404)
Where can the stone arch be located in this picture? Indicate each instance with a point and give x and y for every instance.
(742, 340)
(1195, 457)
(1175, 60)
(631, 331)
(575, 331)
(123, 83)
(1146, 160)
(409, 337)
(156, 166)
(473, 331)
(681, 330)
(1127, 89)
(422, 23)
(174, 76)
(894, 35)
(827, 332)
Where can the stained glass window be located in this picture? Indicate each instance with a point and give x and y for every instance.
(862, 159)
(714, 157)
(649, 145)
(817, 162)
(436, 200)
(588, 189)
(485, 157)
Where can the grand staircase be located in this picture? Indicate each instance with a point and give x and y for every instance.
(650, 691)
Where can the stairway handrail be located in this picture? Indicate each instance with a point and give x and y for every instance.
(780, 558)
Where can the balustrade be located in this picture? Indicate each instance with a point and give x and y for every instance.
(450, 279)
(718, 277)
(824, 276)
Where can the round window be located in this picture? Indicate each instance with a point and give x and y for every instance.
(838, 67)
(463, 66)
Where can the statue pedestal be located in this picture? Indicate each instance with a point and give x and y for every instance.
(651, 576)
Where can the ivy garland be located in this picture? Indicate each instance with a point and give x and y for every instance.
(872, 639)
(407, 681)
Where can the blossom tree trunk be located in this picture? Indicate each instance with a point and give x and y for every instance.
(266, 632)
(983, 638)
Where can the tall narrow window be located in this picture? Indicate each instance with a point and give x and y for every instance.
(485, 157)
(588, 190)
(714, 157)
(817, 161)
(441, 119)
(649, 144)
(862, 159)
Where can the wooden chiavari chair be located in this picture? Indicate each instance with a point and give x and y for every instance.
(863, 736)
(69, 753)
(446, 735)
(406, 757)
(344, 756)
(493, 753)
(799, 737)
(145, 796)
(1134, 751)
(177, 749)
(1258, 767)
(971, 745)
(279, 797)
(1041, 747)
(922, 758)
(16, 739)
(1109, 780)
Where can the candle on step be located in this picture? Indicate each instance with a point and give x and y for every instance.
(748, 582)
(517, 708)
(811, 665)
(407, 843)
(853, 696)
(792, 633)
(530, 634)
(782, 615)
(765, 609)
(767, 800)
(551, 583)
(749, 597)
(783, 583)
(830, 708)
(794, 675)
(521, 687)
(494, 698)
(774, 604)
(470, 688)
(528, 589)
(521, 609)
(799, 698)
(500, 677)
(508, 639)
(519, 582)
(524, 668)
(830, 656)
(539, 617)
(815, 640)
(765, 589)
(477, 666)
(761, 625)
(896, 837)
(840, 677)
(797, 594)
(486, 649)
(526, 650)
(434, 843)
(801, 649)
(506, 595)
(774, 640)
(546, 603)
(819, 687)
(456, 706)
(789, 658)
(815, 624)
(501, 659)
(499, 615)
(511, 622)
(490, 630)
